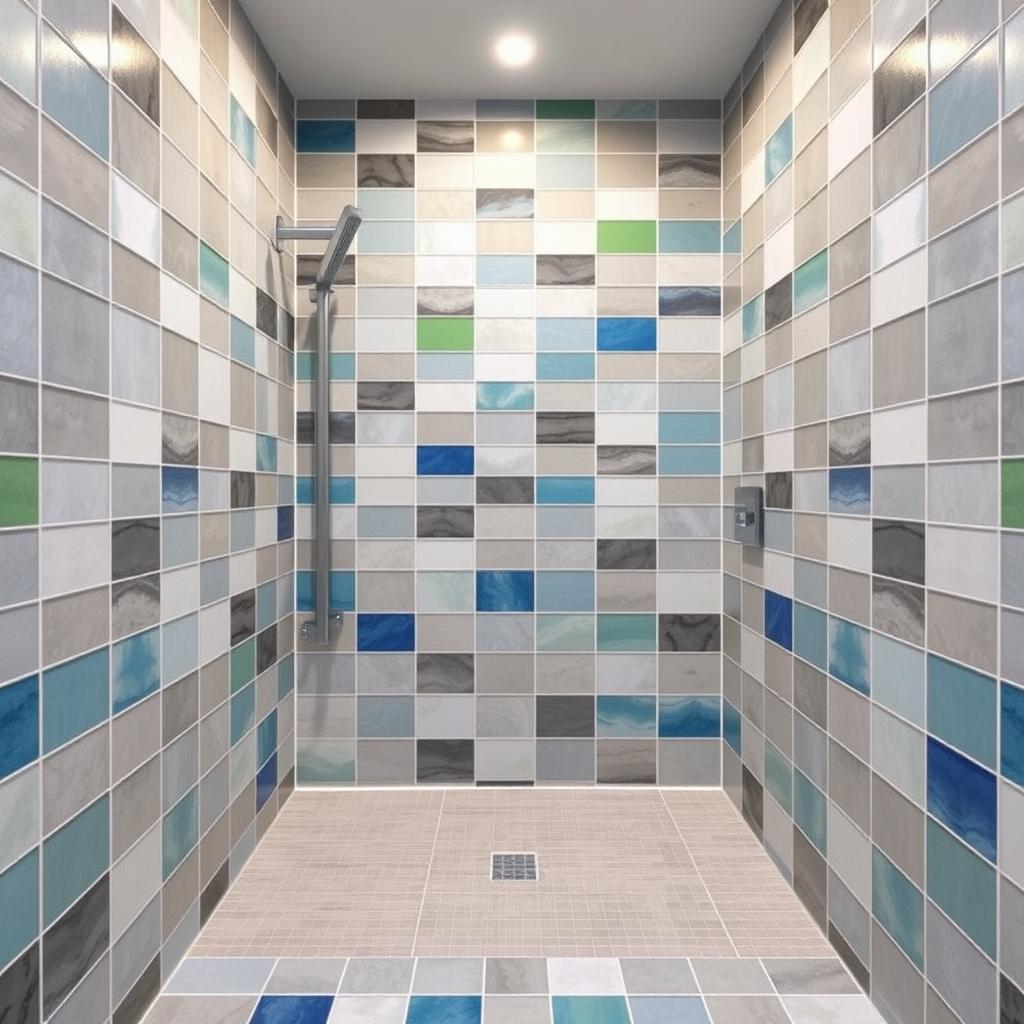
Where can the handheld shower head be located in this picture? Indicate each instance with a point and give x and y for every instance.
(341, 240)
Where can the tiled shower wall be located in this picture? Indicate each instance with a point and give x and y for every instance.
(874, 651)
(146, 425)
(525, 444)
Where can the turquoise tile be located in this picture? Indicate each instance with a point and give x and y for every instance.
(689, 428)
(504, 396)
(214, 277)
(74, 857)
(627, 632)
(18, 47)
(962, 709)
(963, 885)
(266, 737)
(565, 366)
(180, 831)
(565, 490)
(135, 669)
(1012, 734)
(898, 905)
(76, 697)
(1013, 61)
(243, 712)
(964, 103)
(779, 151)
(243, 132)
(74, 95)
(753, 318)
(565, 591)
(778, 776)
(590, 1010)
(441, 1010)
(810, 282)
(626, 716)
(691, 460)
(732, 240)
(690, 236)
(810, 635)
(810, 811)
(849, 654)
(565, 633)
(19, 906)
(266, 453)
(732, 727)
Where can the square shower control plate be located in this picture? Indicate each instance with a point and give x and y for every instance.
(748, 516)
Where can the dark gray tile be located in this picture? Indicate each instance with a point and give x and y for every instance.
(565, 428)
(566, 271)
(393, 395)
(689, 632)
(19, 988)
(627, 554)
(386, 170)
(627, 460)
(504, 490)
(75, 943)
(394, 109)
(135, 547)
(900, 79)
(444, 521)
(444, 673)
(135, 68)
(565, 716)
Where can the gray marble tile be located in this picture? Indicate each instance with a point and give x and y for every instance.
(735, 1009)
(445, 136)
(657, 975)
(377, 170)
(964, 978)
(626, 554)
(504, 203)
(792, 976)
(693, 171)
(71, 249)
(299, 975)
(963, 426)
(566, 271)
(74, 943)
(378, 976)
(516, 975)
(627, 460)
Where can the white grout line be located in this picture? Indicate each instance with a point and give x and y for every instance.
(430, 867)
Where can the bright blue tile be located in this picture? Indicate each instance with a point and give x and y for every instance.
(504, 396)
(135, 669)
(898, 905)
(266, 453)
(565, 490)
(243, 133)
(590, 1010)
(74, 95)
(689, 717)
(243, 342)
(504, 591)
(690, 236)
(180, 831)
(849, 658)
(292, 1010)
(849, 490)
(1012, 759)
(810, 635)
(180, 488)
(342, 590)
(963, 885)
(386, 632)
(689, 300)
(810, 811)
(76, 697)
(243, 712)
(688, 427)
(962, 795)
(444, 1010)
(19, 906)
(386, 716)
(565, 334)
(810, 282)
(778, 619)
(667, 1010)
(627, 334)
(19, 725)
(504, 270)
(74, 857)
(325, 136)
(565, 591)
(266, 780)
(626, 716)
(732, 727)
(689, 460)
(964, 103)
(779, 150)
(565, 366)
(962, 709)
(444, 460)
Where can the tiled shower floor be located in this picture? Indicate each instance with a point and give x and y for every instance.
(643, 896)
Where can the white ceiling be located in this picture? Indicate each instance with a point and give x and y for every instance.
(441, 49)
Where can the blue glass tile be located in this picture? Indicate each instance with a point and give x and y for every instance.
(444, 366)
(962, 709)
(504, 396)
(626, 716)
(779, 150)
(180, 489)
(181, 648)
(266, 453)
(1012, 759)
(342, 590)
(1013, 60)
(624, 632)
(732, 727)
(243, 342)
(898, 905)
(18, 47)
(810, 635)
(627, 334)
(387, 236)
(292, 1009)
(810, 811)
(849, 654)
(963, 885)
(565, 490)
(135, 669)
(590, 1010)
(325, 136)
(504, 591)
(243, 132)
(19, 906)
(688, 427)
(732, 240)
(243, 712)
(74, 95)
(962, 795)
(342, 366)
(266, 737)
(342, 490)
(810, 282)
(778, 619)
(565, 334)
(697, 236)
(849, 490)
(444, 460)
(386, 632)
(753, 318)
(778, 776)
(444, 1010)
(74, 857)
(964, 103)
(565, 591)
(689, 300)
(19, 724)
(898, 677)
(504, 270)
(285, 522)
(565, 366)
(692, 460)
(214, 275)
(266, 780)
(689, 717)
(180, 831)
(76, 697)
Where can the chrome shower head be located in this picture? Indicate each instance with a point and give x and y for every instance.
(341, 240)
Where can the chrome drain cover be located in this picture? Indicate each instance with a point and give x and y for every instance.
(513, 867)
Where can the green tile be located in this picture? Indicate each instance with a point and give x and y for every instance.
(19, 491)
(627, 236)
(444, 334)
(627, 632)
(243, 664)
(564, 109)
(1013, 493)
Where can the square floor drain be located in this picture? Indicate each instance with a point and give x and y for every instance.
(513, 867)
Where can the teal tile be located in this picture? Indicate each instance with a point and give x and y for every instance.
(18, 47)
(243, 132)
(779, 151)
(810, 811)
(810, 282)
(688, 428)
(243, 342)
(689, 236)
(266, 453)
(778, 776)
(135, 669)
(753, 318)
(180, 831)
(19, 906)
(589, 1010)
(74, 94)
(627, 632)
(810, 635)
(325, 762)
(689, 460)
(962, 708)
(964, 103)
(565, 633)
(565, 137)
(76, 697)
(898, 905)
(74, 857)
(849, 658)
(214, 278)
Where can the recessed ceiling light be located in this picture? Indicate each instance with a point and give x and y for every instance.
(514, 50)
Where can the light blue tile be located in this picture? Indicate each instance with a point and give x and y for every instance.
(74, 94)
(689, 236)
(732, 240)
(1013, 57)
(732, 730)
(810, 282)
(18, 47)
(558, 171)
(565, 366)
(243, 132)
(810, 811)
(689, 460)
(898, 677)
(444, 365)
(266, 453)
(565, 490)
(898, 905)
(74, 857)
(849, 654)
(810, 635)
(668, 1010)
(688, 428)
(962, 709)
(779, 150)
(135, 669)
(565, 591)
(964, 104)
(76, 697)
(504, 270)
(626, 716)
(1012, 738)
(243, 342)
(504, 396)
(19, 906)
(181, 648)
(180, 831)
(565, 334)
(384, 236)
(387, 203)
